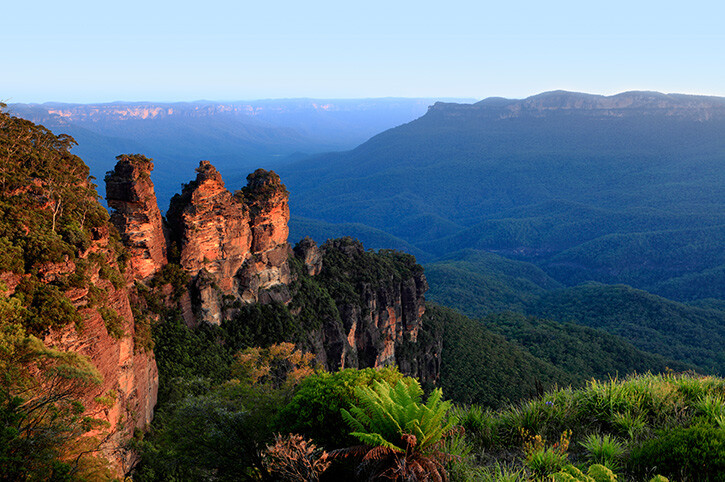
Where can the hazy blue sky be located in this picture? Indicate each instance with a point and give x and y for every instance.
(93, 51)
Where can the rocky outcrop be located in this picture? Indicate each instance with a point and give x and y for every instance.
(233, 246)
(310, 255)
(135, 213)
(126, 398)
(382, 321)
(108, 334)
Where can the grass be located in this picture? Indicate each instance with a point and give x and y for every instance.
(607, 422)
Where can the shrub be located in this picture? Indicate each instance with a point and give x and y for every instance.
(543, 460)
(696, 452)
(113, 321)
(292, 458)
(596, 473)
(402, 437)
(315, 409)
(604, 450)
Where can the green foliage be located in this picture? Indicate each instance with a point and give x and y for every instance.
(311, 299)
(401, 436)
(47, 306)
(42, 426)
(478, 283)
(208, 430)
(184, 354)
(261, 186)
(604, 450)
(387, 413)
(636, 200)
(11, 257)
(596, 473)
(114, 322)
(649, 322)
(142, 332)
(347, 269)
(174, 275)
(661, 416)
(543, 459)
(260, 325)
(696, 452)
(315, 408)
(210, 436)
(480, 366)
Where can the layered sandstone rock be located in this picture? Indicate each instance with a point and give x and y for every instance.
(233, 246)
(127, 395)
(135, 213)
(384, 316)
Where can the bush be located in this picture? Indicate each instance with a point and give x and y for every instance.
(292, 458)
(113, 321)
(696, 452)
(604, 450)
(544, 460)
(314, 410)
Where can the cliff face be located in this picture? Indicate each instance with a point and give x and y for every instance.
(63, 292)
(380, 301)
(111, 339)
(130, 194)
(234, 247)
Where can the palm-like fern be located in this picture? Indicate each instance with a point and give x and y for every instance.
(402, 437)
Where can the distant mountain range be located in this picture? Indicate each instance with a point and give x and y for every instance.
(236, 136)
(622, 189)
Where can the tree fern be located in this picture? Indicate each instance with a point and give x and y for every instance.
(402, 435)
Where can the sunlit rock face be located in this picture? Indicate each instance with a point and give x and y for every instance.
(234, 246)
(127, 394)
(135, 213)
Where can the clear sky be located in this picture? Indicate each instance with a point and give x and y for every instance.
(100, 51)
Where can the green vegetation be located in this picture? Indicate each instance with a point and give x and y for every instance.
(665, 333)
(316, 407)
(402, 438)
(510, 357)
(636, 199)
(594, 425)
(651, 323)
(479, 283)
(49, 216)
(481, 366)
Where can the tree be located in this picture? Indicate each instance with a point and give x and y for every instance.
(402, 437)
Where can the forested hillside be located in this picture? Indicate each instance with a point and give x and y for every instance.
(622, 189)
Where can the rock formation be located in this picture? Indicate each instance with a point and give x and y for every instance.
(130, 194)
(385, 314)
(310, 254)
(233, 246)
(127, 396)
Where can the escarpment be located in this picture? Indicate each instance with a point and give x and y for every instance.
(380, 300)
(353, 308)
(79, 372)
